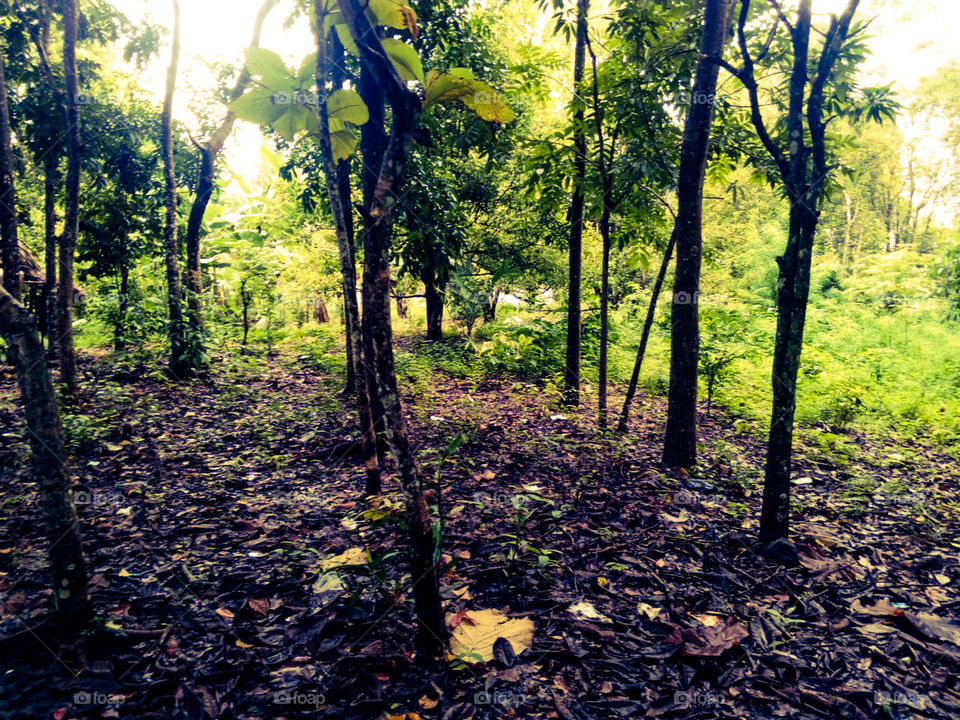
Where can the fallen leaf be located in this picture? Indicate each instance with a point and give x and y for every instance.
(473, 641)
(706, 641)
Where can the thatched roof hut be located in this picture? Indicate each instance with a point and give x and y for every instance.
(32, 274)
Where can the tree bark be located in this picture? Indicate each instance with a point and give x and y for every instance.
(178, 364)
(9, 238)
(373, 147)
(405, 104)
(71, 605)
(680, 441)
(71, 222)
(575, 274)
(434, 302)
(50, 252)
(645, 335)
(348, 269)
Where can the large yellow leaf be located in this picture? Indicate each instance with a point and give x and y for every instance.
(473, 638)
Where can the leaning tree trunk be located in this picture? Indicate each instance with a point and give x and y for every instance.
(575, 274)
(206, 175)
(405, 105)
(604, 313)
(50, 252)
(71, 222)
(178, 364)
(9, 238)
(645, 335)
(680, 442)
(71, 605)
(348, 269)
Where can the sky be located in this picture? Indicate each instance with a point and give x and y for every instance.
(910, 39)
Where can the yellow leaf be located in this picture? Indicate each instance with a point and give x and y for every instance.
(473, 639)
(124, 573)
(352, 556)
(224, 613)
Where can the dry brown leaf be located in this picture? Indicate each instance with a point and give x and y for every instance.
(473, 638)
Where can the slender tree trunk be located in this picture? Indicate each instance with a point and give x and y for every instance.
(71, 605)
(50, 253)
(434, 303)
(405, 104)
(71, 222)
(354, 352)
(604, 313)
(9, 238)
(119, 337)
(178, 365)
(490, 306)
(575, 274)
(680, 441)
(373, 147)
(326, 56)
(645, 335)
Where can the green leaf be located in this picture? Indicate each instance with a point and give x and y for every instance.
(346, 39)
(443, 88)
(405, 59)
(395, 14)
(295, 120)
(488, 103)
(347, 106)
(308, 70)
(270, 68)
(258, 106)
(343, 143)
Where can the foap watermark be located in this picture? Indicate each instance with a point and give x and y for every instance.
(85, 497)
(92, 697)
(686, 498)
(502, 698)
(486, 499)
(882, 497)
(92, 97)
(309, 99)
(298, 699)
(690, 698)
(898, 697)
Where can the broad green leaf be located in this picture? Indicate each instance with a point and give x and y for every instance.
(270, 68)
(488, 103)
(443, 88)
(405, 59)
(346, 39)
(347, 106)
(258, 106)
(395, 14)
(308, 70)
(343, 143)
(295, 120)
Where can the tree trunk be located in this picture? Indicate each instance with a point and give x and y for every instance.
(680, 441)
(71, 605)
(645, 335)
(9, 238)
(405, 104)
(604, 312)
(327, 57)
(50, 252)
(373, 147)
(490, 306)
(120, 331)
(178, 364)
(434, 302)
(71, 222)
(575, 274)
(320, 313)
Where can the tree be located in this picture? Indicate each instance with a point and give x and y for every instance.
(179, 366)
(9, 238)
(351, 109)
(680, 441)
(71, 604)
(71, 222)
(798, 148)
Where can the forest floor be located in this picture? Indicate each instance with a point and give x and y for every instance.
(224, 515)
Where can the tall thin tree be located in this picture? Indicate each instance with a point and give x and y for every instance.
(680, 442)
(71, 204)
(9, 237)
(178, 362)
